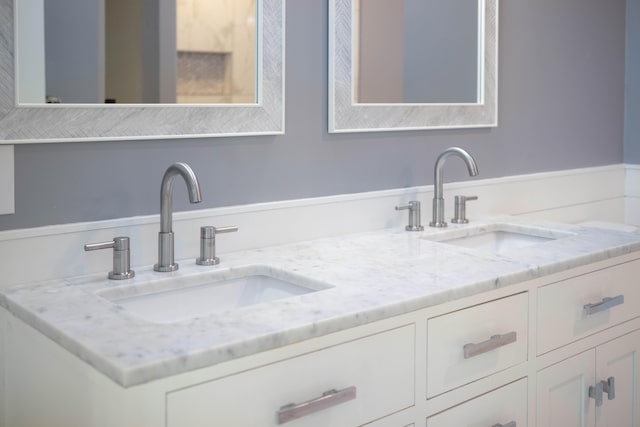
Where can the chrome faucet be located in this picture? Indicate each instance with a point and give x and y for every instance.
(438, 199)
(165, 236)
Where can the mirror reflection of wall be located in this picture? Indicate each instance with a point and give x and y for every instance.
(416, 51)
(74, 52)
(146, 51)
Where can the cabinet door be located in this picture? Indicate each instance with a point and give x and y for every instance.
(563, 393)
(618, 360)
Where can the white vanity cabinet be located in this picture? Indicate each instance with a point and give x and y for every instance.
(45, 385)
(345, 385)
(598, 387)
(521, 355)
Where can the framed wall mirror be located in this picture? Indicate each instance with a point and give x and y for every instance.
(167, 69)
(412, 64)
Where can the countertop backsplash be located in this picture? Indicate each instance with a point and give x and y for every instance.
(56, 252)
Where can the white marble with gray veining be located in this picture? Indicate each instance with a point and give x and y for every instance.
(369, 276)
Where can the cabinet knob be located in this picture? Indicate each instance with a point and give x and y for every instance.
(595, 393)
(609, 387)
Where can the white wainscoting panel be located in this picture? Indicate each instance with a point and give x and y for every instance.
(573, 196)
(595, 194)
(632, 193)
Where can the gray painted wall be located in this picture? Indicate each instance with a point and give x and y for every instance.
(74, 40)
(632, 108)
(561, 106)
(441, 64)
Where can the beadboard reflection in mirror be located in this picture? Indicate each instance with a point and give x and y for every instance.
(28, 123)
(350, 111)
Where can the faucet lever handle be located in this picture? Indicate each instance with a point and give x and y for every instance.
(460, 213)
(121, 257)
(228, 229)
(414, 215)
(208, 243)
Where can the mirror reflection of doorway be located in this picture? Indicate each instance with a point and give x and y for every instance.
(150, 51)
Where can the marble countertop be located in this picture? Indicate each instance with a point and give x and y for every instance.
(369, 276)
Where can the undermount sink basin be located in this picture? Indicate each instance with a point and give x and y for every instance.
(498, 238)
(173, 299)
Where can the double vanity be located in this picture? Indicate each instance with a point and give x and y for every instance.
(499, 322)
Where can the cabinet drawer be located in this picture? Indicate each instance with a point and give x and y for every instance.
(562, 317)
(380, 369)
(476, 342)
(503, 407)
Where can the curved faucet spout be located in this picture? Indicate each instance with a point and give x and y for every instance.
(166, 192)
(453, 151)
(438, 182)
(165, 237)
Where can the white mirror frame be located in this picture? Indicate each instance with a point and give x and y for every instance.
(67, 123)
(347, 116)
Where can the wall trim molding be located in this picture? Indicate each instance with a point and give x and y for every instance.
(597, 193)
(340, 198)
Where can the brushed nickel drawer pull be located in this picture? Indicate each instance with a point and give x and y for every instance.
(328, 399)
(496, 341)
(603, 305)
(511, 424)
